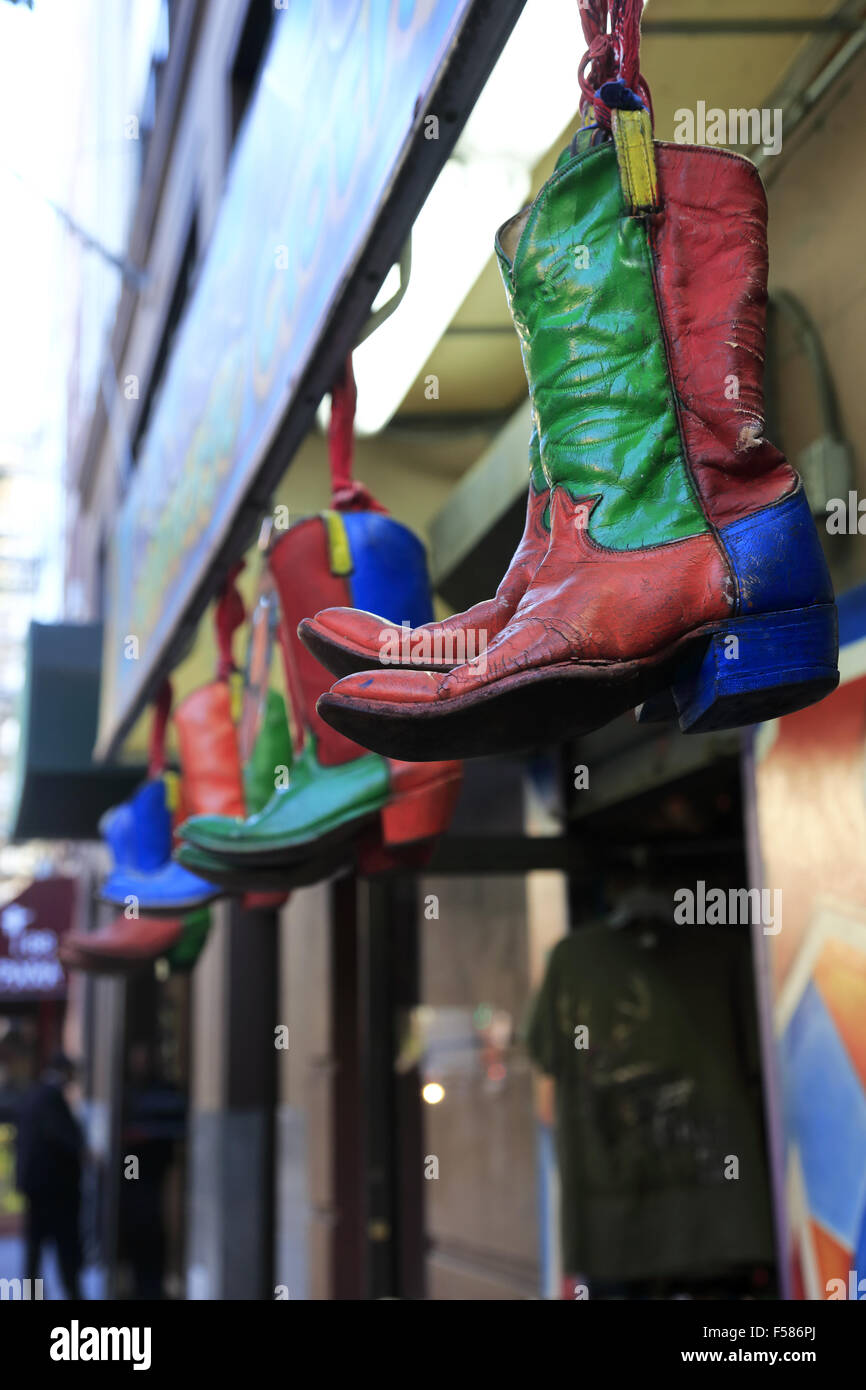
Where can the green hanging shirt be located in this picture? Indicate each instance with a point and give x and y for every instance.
(656, 1066)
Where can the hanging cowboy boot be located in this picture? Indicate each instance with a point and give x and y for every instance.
(212, 781)
(272, 750)
(683, 554)
(272, 756)
(147, 877)
(124, 944)
(138, 834)
(345, 640)
(264, 730)
(263, 741)
(336, 788)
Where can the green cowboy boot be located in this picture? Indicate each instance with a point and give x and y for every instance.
(272, 755)
(322, 805)
(271, 761)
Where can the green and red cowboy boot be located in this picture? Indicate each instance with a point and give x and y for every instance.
(683, 556)
(336, 791)
(345, 640)
(271, 754)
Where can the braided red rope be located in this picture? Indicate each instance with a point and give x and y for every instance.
(612, 56)
(229, 616)
(347, 495)
(156, 747)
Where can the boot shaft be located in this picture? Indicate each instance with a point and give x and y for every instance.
(363, 560)
(710, 258)
(643, 338)
(138, 832)
(271, 750)
(209, 758)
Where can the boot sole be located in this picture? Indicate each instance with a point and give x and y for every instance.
(166, 910)
(249, 878)
(289, 850)
(108, 965)
(790, 662)
(412, 817)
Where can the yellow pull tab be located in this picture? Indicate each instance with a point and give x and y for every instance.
(236, 696)
(339, 551)
(633, 137)
(172, 792)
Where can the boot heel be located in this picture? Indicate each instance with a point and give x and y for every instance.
(759, 668)
(658, 709)
(421, 814)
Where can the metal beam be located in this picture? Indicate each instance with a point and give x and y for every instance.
(501, 855)
(701, 28)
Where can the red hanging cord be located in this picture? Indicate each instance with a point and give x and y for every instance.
(347, 495)
(156, 747)
(229, 616)
(612, 56)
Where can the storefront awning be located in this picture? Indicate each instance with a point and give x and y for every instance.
(61, 792)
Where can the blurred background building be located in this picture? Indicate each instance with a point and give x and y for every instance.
(213, 196)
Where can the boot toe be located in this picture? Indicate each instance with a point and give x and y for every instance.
(388, 687)
(200, 830)
(347, 627)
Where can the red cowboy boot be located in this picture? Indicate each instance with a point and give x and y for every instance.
(683, 555)
(345, 640)
(126, 943)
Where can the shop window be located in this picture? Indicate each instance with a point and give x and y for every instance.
(177, 303)
(159, 58)
(249, 56)
(101, 577)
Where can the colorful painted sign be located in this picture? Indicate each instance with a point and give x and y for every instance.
(343, 86)
(811, 810)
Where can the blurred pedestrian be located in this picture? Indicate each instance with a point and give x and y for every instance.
(153, 1123)
(50, 1145)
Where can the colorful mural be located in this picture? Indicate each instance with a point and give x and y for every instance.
(811, 805)
(343, 83)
